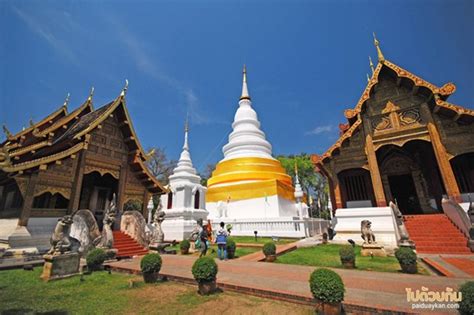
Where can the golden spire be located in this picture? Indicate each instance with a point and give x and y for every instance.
(125, 88)
(6, 131)
(91, 94)
(371, 64)
(66, 101)
(379, 51)
(245, 92)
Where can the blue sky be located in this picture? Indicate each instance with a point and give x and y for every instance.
(307, 62)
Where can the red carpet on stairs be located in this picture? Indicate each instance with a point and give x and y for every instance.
(435, 234)
(127, 246)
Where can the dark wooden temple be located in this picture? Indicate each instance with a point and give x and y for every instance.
(402, 142)
(74, 160)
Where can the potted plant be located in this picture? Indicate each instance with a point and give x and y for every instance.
(184, 246)
(205, 271)
(347, 256)
(95, 258)
(230, 246)
(150, 266)
(269, 249)
(328, 290)
(466, 306)
(407, 259)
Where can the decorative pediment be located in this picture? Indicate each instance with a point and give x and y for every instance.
(390, 107)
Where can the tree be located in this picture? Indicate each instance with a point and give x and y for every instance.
(313, 184)
(207, 173)
(160, 166)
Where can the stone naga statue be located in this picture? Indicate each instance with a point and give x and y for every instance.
(107, 237)
(158, 237)
(366, 230)
(61, 241)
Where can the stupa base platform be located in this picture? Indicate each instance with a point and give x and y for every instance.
(275, 227)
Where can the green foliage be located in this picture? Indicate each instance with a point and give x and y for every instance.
(312, 183)
(184, 244)
(151, 263)
(95, 258)
(466, 306)
(269, 249)
(405, 256)
(326, 286)
(160, 166)
(230, 244)
(347, 253)
(204, 269)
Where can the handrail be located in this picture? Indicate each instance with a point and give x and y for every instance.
(403, 238)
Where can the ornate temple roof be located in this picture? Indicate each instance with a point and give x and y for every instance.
(438, 100)
(70, 134)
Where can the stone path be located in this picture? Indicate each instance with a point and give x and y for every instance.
(259, 256)
(364, 290)
(453, 266)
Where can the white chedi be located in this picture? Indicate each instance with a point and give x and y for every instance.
(186, 201)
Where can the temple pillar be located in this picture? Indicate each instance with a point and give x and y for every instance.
(77, 183)
(447, 174)
(146, 198)
(121, 186)
(28, 200)
(375, 172)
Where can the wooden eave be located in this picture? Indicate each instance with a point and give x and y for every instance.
(144, 174)
(65, 121)
(444, 92)
(51, 118)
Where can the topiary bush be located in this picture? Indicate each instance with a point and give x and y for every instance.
(407, 259)
(347, 254)
(230, 246)
(269, 249)
(95, 258)
(184, 245)
(326, 286)
(151, 263)
(204, 269)
(466, 306)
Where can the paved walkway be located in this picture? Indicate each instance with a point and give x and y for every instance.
(455, 266)
(364, 289)
(259, 256)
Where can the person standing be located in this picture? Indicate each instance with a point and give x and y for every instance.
(221, 240)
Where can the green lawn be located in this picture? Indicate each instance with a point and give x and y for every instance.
(23, 292)
(328, 256)
(262, 240)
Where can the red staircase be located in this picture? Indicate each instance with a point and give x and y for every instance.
(435, 234)
(127, 246)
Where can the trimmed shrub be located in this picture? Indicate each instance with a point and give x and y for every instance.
(347, 254)
(95, 258)
(204, 269)
(326, 286)
(230, 246)
(151, 263)
(466, 306)
(269, 249)
(184, 245)
(405, 256)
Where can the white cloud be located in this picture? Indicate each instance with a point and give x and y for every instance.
(320, 129)
(43, 31)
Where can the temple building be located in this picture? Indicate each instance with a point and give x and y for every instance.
(402, 142)
(249, 188)
(185, 202)
(69, 161)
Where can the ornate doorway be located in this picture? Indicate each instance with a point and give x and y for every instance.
(402, 188)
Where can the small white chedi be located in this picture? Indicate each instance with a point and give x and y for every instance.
(186, 201)
(249, 188)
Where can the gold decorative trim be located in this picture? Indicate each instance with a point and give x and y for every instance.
(102, 171)
(41, 189)
(30, 148)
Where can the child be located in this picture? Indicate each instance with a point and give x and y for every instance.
(221, 240)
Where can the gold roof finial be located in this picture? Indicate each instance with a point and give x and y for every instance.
(379, 51)
(66, 101)
(245, 92)
(125, 88)
(371, 64)
(91, 94)
(6, 131)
